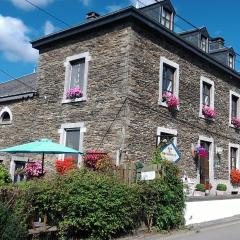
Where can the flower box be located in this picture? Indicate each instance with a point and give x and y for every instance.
(74, 93)
(171, 101)
(236, 122)
(208, 112)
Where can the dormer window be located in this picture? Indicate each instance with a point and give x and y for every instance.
(204, 44)
(166, 19)
(231, 61)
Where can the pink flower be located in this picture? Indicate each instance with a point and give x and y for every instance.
(208, 112)
(236, 122)
(74, 93)
(34, 169)
(171, 100)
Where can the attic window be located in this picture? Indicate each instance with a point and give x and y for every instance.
(5, 116)
(231, 61)
(204, 43)
(166, 19)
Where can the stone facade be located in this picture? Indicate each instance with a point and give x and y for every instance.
(121, 113)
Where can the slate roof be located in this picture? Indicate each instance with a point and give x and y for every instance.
(22, 87)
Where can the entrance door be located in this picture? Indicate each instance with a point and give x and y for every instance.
(204, 164)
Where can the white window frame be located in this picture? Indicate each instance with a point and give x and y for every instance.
(167, 131)
(6, 109)
(212, 93)
(15, 159)
(207, 43)
(62, 132)
(233, 145)
(171, 23)
(67, 64)
(233, 61)
(232, 93)
(163, 61)
(211, 157)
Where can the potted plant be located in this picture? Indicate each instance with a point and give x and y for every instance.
(221, 189)
(208, 112)
(199, 151)
(34, 169)
(199, 190)
(236, 122)
(171, 100)
(74, 93)
(235, 180)
(208, 187)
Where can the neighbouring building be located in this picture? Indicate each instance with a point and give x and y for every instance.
(124, 62)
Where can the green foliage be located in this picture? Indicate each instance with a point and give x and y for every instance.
(82, 203)
(200, 187)
(9, 225)
(222, 187)
(4, 175)
(163, 200)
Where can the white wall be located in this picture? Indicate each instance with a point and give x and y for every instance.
(204, 211)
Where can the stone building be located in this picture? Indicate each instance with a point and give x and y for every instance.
(124, 62)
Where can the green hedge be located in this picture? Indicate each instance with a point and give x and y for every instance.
(93, 205)
(222, 187)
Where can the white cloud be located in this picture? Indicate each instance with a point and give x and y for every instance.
(113, 8)
(14, 40)
(85, 2)
(142, 3)
(27, 6)
(49, 28)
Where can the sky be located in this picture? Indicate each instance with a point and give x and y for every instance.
(20, 23)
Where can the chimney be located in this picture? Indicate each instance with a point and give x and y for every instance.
(217, 43)
(92, 15)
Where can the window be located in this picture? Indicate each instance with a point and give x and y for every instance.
(16, 166)
(76, 75)
(204, 44)
(233, 156)
(206, 94)
(231, 61)
(6, 116)
(169, 79)
(234, 106)
(169, 135)
(166, 20)
(71, 135)
(73, 141)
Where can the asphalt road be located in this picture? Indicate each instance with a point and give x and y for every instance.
(228, 231)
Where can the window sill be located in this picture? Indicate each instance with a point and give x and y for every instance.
(83, 99)
(163, 104)
(232, 126)
(6, 123)
(207, 119)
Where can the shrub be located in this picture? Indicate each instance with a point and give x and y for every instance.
(163, 199)
(34, 169)
(4, 175)
(10, 229)
(65, 165)
(222, 187)
(200, 187)
(82, 204)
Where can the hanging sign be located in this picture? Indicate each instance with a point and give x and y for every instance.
(171, 153)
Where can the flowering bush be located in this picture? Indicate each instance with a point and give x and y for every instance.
(105, 164)
(62, 166)
(74, 93)
(171, 100)
(235, 177)
(236, 122)
(34, 169)
(201, 151)
(208, 186)
(208, 112)
(92, 157)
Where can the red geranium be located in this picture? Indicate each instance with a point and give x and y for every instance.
(235, 177)
(62, 166)
(208, 186)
